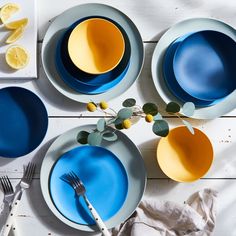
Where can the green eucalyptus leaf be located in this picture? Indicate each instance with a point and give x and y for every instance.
(125, 113)
(150, 108)
(130, 102)
(172, 107)
(160, 128)
(118, 124)
(188, 126)
(101, 124)
(95, 138)
(109, 136)
(188, 109)
(158, 117)
(82, 137)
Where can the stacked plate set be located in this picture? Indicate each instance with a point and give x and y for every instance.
(194, 62)
(92, 52)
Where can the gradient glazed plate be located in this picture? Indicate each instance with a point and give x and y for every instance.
(204, 65)
(171, 82)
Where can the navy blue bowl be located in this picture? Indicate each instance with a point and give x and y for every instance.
(170, 80)
(204, 65)
(23, 121)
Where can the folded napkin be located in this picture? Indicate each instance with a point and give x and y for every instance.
(196, 217)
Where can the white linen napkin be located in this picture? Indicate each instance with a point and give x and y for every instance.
(196, 217)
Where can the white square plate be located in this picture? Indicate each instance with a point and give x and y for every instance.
(28, 41)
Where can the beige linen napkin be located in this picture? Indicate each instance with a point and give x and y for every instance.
(196, 217)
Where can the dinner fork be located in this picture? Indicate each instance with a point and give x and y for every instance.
(24, 184)
(8, 193)
(80, 190)
(7, 190)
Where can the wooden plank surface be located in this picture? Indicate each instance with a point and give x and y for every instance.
(152, 17)
(222, 133)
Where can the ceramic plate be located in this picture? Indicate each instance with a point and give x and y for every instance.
(23, 121)
(204, 65)
(178, 30)
(72, 15)
(103, 176)
(128, 155)
(171, 82)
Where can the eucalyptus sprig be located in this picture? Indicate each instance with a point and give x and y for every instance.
(123, 119)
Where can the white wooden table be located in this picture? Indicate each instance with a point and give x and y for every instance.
(152, 17)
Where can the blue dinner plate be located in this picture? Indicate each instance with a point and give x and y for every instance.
(169, 76)
(23, 121)
(104, 177)
(204, 65)
(91, 79)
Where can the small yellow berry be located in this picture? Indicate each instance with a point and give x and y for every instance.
(126, 124)
(103, 105)
(149, 118)
(91, 107)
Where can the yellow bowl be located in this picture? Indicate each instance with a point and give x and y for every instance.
(185, 157)
(96, 46)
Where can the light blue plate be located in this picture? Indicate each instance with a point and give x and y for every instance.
(169, 76)
(23, 121)
(104, 177)
(204, 65)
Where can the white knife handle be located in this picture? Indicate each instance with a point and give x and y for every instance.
(14, 230)
(10, 218)
(97, 218)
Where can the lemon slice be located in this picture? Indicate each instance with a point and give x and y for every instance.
(17, 57)
(17, 24)
(15, 35)
(8, 10)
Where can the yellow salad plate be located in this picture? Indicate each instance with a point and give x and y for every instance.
(185, 157)
(96, 46)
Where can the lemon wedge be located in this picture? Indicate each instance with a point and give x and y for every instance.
(17, 24)
(8, 10)
(15, 35)
(17, 57)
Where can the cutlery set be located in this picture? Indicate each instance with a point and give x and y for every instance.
(14, 198)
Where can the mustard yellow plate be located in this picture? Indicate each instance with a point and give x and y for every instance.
(96, 46)
(185, 157)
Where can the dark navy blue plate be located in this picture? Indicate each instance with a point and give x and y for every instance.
(23, 121)
(172, 84)
(204, 65)
(104, 177)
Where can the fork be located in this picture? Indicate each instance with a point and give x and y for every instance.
(24, 184)
(80, 190)
(8, 192)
